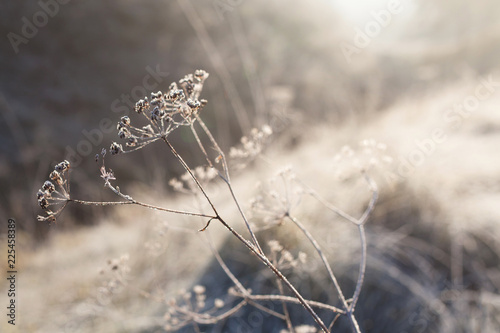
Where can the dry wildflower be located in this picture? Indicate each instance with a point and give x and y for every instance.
(287, 258)
(204, 175)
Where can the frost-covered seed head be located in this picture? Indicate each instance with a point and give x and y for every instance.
(116, 148)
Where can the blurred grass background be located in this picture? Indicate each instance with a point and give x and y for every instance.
(65, 79)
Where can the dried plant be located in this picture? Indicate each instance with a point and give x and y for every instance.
(182, 106)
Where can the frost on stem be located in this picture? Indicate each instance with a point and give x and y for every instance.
(204, 174)
(303, 329)
(116, 275)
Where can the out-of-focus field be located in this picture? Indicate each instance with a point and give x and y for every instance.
(426, 86)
